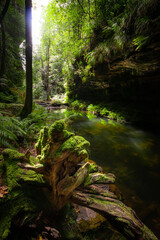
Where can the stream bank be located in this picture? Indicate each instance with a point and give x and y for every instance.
(16, 178)
(129, 152)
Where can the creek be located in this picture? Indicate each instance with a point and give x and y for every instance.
(132, 154)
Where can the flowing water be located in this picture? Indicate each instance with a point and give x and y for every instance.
(133, 155)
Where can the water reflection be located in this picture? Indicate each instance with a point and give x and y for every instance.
(131, 154)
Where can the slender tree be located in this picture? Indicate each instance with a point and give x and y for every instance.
(3, 56)
(47, 80)
(4, 11)
(2, 15)
(27, 109)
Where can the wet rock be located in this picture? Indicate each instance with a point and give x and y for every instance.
(88, 219)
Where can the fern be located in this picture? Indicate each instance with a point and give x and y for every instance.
(10, 130)
(14, 130)
(140, 42)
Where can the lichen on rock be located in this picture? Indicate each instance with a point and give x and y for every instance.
(99, 178)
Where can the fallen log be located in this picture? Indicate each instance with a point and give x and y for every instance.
(59, 156)
(121, 217)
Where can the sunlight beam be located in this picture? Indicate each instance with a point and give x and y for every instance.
(37, 10)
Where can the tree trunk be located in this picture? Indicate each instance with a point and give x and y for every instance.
(4, 11)
(27, 109)
(89, 10)
(43, 74)
(3, 55)
(95, 9)
(47, 79)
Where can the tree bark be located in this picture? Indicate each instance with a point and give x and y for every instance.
(43, 74)
(4, 11)
(27, 109)
(47, 79)
(3, 55)
(89, 10)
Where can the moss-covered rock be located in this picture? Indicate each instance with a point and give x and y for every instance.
(56, 128)
(93, 167)
(99, 178)
(75, 144)
(22, 195)
(59, 141)
(42, 140)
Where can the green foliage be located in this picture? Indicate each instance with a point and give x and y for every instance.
(56, 128)
(20, 198)
(10, 131)
(78, 105)
(14, 36)
(94, 108)
(75, 144)
(14, 131)
(104, 112)
(140, 42)
(33, 123)
(6, 95)
(6, 98)
(56, 77)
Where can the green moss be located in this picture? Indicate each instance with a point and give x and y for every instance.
(45, 153)
(1, 157)
(67, 134)
(11, 155)
(93, 168)
(56, 127)
(22, 194)
(33, 160)
(66, 141)
(14, 174)
(25, 199)
(98, 178)
(1, 165)
(42, 140)
(76, 144)
(5, 233)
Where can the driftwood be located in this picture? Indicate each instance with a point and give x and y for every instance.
(63, 160)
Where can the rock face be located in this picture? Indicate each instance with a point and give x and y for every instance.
(135, 78)
(130, 76)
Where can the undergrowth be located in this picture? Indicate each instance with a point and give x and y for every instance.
(10, 131)
(14, 131)
(99, 110)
